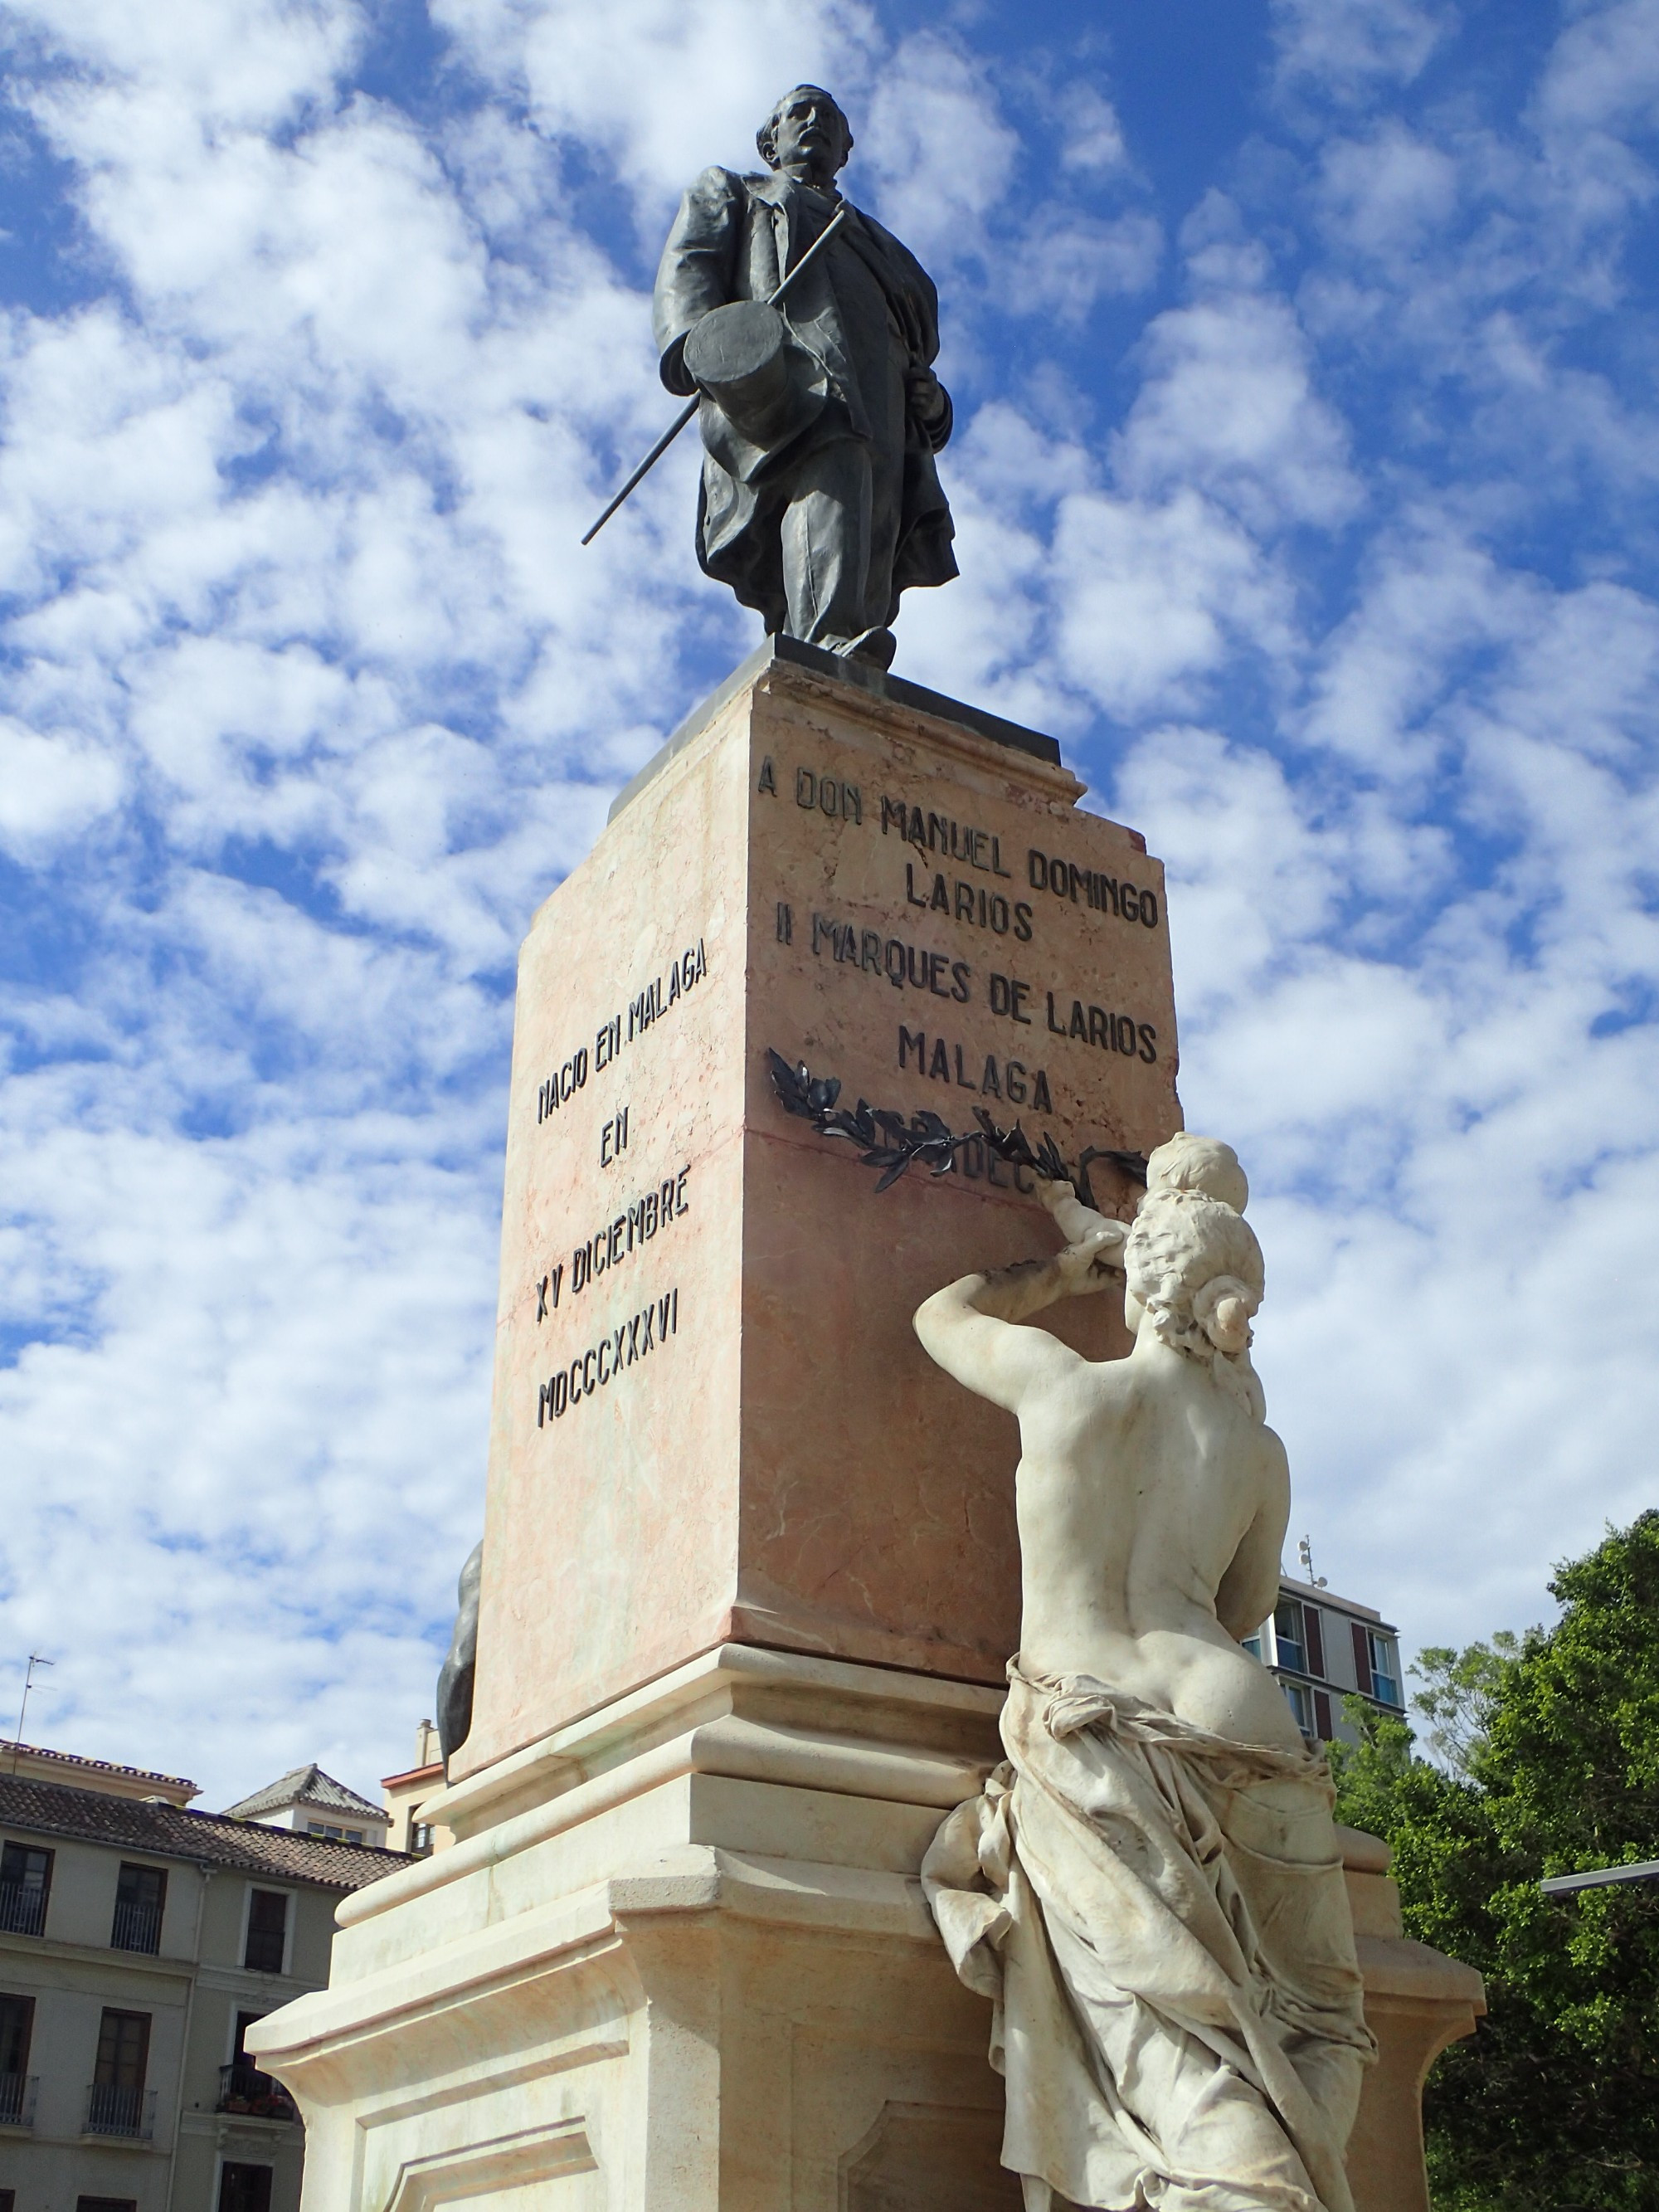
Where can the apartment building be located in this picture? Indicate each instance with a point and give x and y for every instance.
(314, 1803)
(406, 1796)
(139, 1941)
(1322, 1648)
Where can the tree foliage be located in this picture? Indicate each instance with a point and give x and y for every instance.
(1551, 1742)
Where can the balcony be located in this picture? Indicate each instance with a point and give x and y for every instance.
(137, 1928)
(22, 1909)
(243, 2088)
(113, 2111)
(17, 2099)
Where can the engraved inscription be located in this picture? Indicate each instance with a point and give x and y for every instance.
(598, 1366)
(937, 833)
(829, 795)
(561, 1087)
(648, 1007)
(1089, 887)
(1119, 1033)
(967, 1070)
(903, 965)
(631, 1228)
(969, 902)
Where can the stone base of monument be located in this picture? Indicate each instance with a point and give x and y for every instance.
(679, 1960)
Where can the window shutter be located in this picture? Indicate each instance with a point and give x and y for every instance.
(1322, 1716)
(1362, 1658)
(1315, 1634)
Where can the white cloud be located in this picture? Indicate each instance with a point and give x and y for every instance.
(1090, 134)
(1604, 70)
(1065, 262)
(51, 788)
(310, 697)
(1385, 196)
(1348, 48)
(941, 151)
(1155, 596)
(1228, 404)
(661, 87)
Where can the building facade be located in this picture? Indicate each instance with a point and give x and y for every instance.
(313, 1803)
(406, 1794)
(1323, 1649)
(139, 1941)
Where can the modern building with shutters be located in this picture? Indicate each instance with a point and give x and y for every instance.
(139, 1941)
(1323, 1649)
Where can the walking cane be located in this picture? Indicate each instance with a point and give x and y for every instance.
(695, 401)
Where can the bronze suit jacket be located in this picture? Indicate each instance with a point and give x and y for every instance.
(865, 310)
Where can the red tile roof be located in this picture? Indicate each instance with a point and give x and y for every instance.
(101, 1765)
(47, 1809)
(310, 1787)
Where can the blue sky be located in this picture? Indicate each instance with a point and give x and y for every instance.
(1308, 437)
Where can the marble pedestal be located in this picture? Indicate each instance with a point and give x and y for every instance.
(751, 1574)
(679, 1961)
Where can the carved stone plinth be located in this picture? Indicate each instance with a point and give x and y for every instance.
(679, 1961)
(750, 1573)
(1417, 2001)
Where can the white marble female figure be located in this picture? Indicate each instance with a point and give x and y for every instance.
(1151, 1887)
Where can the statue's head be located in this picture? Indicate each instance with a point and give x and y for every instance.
(1194, 1271)
(1200, 1163)
(807, 135)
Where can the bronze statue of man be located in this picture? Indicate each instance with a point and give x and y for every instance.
(820, 417)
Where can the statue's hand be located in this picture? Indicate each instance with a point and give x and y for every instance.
(1072, 1218)
(926, 395)
(1086, 1265)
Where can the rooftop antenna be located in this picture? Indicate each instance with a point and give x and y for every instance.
(1304, 1553)
(35, 1660)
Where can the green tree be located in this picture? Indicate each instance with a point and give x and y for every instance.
(1551, 1749)
(1457, 1693)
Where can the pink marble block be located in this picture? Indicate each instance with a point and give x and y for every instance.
(711, 1421)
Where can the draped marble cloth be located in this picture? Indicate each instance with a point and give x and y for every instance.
(1177, 2008)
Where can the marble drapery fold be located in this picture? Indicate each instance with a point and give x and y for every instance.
(1178, 2005)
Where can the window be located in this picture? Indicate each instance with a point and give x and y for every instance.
(420, 1832)
(267, 1931)
(140, 1893)
(333, 1835)
(25, 1885)
(16, 2032)
(116, 2106)
(1287, 1636)
(244, 2188)
(1384, 1659)
(244, 2088)
(1252, 1645)
(1300, 1704)
(123, 2049)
